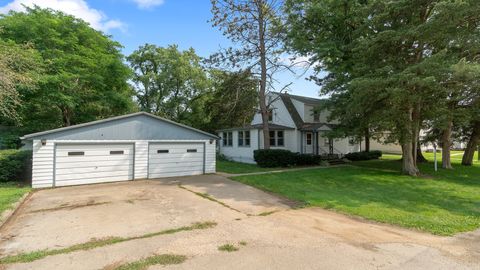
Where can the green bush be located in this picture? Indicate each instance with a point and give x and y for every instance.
(14, 165)
(356, 156)
(283, 158)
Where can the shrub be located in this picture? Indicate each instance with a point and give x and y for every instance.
(14, 165)
(306, 159)
(356, 156)
(283, 158)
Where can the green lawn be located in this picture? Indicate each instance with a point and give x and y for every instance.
(444, 203)
(9, 194)
(233, 167)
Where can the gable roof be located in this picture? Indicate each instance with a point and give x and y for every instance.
(102, 121)
(297, 119)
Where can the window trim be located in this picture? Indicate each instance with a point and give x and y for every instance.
(227, 137)
(243, 139)
(311, 138)
(276, 138)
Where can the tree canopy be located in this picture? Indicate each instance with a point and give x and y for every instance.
(391, 64)
(84, 76)
(168, 82)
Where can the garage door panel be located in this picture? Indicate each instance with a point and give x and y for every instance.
(90, 169)
(95, 164)
(70, 159)
(90, 181)
(92, 175)
(176, 160)
(84, 164)
(176, 173)
(158, 170)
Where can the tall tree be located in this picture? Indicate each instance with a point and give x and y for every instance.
(395, 54)
(168, 82)
(233, 99)
(85, 77)
(19, 65)
(252, 25)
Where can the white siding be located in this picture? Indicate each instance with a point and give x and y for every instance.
(141, 160)
(281, 116)
(210, 157)
(42, 164)
(242, 153)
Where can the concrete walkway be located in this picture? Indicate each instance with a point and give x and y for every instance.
(279, 171)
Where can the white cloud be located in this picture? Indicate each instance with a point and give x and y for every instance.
(77, 8)
(145, 4)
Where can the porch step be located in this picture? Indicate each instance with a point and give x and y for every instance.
(336, 161)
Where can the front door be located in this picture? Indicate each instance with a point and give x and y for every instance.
(309, 143)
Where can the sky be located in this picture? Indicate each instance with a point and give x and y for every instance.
(160, 22)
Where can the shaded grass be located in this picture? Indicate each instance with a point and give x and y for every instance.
(10, 193)
(228, 248)
(233, 167)
(95, 243)
(446, 204)
(162, 259)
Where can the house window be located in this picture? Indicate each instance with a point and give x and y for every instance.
(191, 150)
(280, 138)
(316, 116)
(162, 151)
(309, 138)
(244, 138)
(272, 138)
(227, 139)
(270, 115)
(277, 138)
(116, 152)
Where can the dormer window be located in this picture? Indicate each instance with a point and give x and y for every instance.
(270, 115)
(316, 116)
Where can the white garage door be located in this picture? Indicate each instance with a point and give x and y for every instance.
(77, 164)
(175, 159)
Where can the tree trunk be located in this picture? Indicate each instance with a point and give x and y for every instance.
(474, 140)
(263, 76)
(66, 117)
(446, 144)
(408, 165)
(420, 157)
(367, 140)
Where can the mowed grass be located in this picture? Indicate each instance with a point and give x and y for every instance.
(444, 203)
(233, 167)
(162, 259)
(10, 193)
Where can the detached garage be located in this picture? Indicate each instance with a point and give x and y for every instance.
(124, 148)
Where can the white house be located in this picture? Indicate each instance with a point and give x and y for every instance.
(123, 148)
(294, 125)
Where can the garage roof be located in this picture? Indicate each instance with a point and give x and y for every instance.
(140, 125)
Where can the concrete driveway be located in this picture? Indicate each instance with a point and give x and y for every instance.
(276, 236)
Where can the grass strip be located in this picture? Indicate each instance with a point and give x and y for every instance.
(228, 248)
(95, 243)
(208, 197)
(162, 259)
